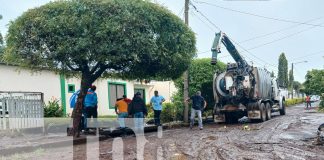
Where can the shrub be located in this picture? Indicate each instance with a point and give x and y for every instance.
(290, 102)
(53, 109)
(170, 112)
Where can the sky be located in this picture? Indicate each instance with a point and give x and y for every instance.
(261, 30)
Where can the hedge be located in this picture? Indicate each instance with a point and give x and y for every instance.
(291, 102)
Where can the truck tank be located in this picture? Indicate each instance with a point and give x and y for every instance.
(263, 84)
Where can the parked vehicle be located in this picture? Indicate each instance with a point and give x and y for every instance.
(314, 98)
(243, 90)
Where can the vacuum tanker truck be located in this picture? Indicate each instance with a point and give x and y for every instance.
(243, 90)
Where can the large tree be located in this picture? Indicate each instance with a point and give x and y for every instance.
(93, 38)
(314, 83)
(297, 86)
(283, 71)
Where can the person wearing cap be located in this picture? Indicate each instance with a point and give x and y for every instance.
(198, 104)
(90, 106)
(156, 103)
(137, 110)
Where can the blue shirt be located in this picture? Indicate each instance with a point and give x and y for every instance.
(156, 102)
(74, 98)
(90, 99)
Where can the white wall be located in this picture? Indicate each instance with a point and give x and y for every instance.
(165, 89)
(16, 79)
(13, 78)
(102, 93)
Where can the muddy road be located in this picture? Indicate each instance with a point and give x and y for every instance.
(282, 137)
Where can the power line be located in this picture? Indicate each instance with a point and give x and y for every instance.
(204, 16)
(277, 31)
(181, 12)
(231, 39)
(253, 54)
(261, 45)
(202, 22)
(308, 55)
(257, 15)
(276, 40)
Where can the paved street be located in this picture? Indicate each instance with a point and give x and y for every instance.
(283, 137)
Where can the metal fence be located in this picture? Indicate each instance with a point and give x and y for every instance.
(20, 110)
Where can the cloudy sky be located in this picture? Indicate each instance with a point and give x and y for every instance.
(261, 29)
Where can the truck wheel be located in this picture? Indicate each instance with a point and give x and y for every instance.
(263, 112)
(283, 109)
(268, 109)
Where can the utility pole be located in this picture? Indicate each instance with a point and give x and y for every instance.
(292, 83)
(186, 75)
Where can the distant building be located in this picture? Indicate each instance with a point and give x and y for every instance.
(57, 86)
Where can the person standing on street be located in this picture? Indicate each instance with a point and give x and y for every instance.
(137, 110)
(156, 103)
(91, 106)
(121, 109)
(198, 103)
(308, 102)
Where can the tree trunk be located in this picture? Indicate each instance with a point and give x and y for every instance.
(77, 111)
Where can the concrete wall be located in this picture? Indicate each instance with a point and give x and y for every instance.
(16, 79)
(165, 89)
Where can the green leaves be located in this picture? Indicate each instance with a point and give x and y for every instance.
(314, 83)
(128, 38)
(201, 74)
(283, 71)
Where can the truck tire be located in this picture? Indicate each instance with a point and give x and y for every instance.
(283, 109)
(268, 109)
(263, 112)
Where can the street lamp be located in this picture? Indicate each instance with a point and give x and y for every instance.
(292, 72)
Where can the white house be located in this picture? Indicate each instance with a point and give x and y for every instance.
(57, 86)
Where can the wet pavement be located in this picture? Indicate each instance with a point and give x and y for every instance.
(283, 137)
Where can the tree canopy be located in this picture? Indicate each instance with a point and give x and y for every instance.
(297, 86)
(131, 38)
(283, 71)
(314, 83)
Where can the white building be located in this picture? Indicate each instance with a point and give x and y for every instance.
(57, 86)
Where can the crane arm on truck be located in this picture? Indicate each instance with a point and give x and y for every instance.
(223, 38)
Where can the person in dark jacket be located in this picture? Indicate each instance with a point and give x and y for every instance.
(198, 104)
(137, 110)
